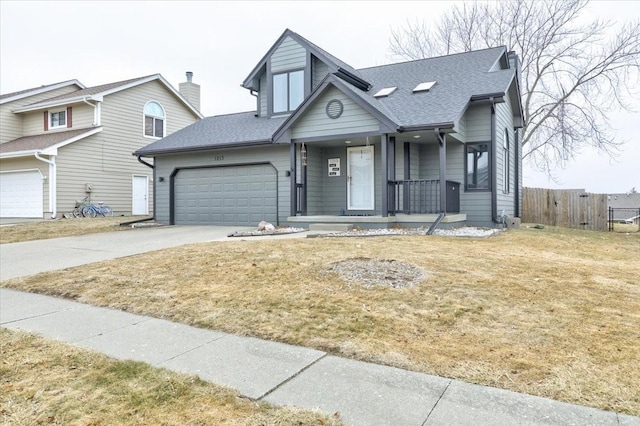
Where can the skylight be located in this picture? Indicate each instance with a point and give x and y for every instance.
(385, 92)
(423, 87)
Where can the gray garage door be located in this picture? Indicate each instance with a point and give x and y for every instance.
(239, 195)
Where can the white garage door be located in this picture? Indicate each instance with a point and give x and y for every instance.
(239, 195)
(21, 194)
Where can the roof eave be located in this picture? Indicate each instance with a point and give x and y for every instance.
(153, 153)
(42, 89)
(43, 105)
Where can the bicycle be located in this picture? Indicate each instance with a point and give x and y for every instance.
(93, 210)
(80, 205)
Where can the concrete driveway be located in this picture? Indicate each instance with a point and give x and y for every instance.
(32, 257)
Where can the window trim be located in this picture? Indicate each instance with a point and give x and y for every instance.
(59, 126)
(506, 162)
(466, 167)
(155, 117)
(273, 92)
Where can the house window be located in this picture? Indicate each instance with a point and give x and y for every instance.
(507, 162)
(58, 119)
(288, 91)
(477, 167)
(154, 120)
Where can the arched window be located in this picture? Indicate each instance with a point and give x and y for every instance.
(507, 163)
(154, 120)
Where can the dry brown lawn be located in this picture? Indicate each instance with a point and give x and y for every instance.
(549, 312)
(43, 230)
(46, 382)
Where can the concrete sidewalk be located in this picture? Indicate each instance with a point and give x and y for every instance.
(364, 394)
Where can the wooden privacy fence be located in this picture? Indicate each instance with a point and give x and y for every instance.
(566, 208)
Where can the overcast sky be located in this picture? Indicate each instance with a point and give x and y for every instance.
(221, 42)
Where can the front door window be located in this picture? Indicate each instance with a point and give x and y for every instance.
(360, 178)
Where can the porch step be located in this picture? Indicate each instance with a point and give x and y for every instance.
(333, 227)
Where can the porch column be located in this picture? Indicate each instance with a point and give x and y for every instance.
(293, 199)
(442, 142)
(384, 182)
(392, 173)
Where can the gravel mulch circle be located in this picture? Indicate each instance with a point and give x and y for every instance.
(372, 272)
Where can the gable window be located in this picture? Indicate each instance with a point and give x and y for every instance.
(477, 167)
(507, 162)
(288, 91)
(154, 120)
(58, 119)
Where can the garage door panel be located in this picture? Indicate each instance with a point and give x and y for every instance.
(21, 194)
(241, 195)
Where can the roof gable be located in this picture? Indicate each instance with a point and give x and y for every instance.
(14, 96)
(99, 92)
(331, 61)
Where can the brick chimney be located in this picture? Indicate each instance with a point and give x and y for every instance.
(191, 91)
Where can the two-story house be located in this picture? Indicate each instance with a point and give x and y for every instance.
(409, 143)
(62, 142)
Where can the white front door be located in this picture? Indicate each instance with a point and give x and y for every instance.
(360, 178)
(140, 195)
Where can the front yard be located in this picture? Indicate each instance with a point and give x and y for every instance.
(549, 312)
(57, 228)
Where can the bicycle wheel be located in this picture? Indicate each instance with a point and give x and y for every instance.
(77, 212)
(107, 211)
(89, 211)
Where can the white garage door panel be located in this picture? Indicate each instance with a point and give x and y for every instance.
(242, 195)
(21, 194)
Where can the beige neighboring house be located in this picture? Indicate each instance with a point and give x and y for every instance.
(62, 142)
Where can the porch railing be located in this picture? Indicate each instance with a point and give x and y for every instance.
(422, 196)
(299, 198)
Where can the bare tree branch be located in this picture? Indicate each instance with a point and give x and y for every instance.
(573, 75)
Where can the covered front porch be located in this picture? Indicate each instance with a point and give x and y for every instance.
(374, 181)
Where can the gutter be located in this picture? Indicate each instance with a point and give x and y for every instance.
(96, 109)
(437, 126)
(204, 148)
(53, 205)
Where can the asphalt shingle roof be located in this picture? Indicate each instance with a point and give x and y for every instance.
(458, 77)
(92, 90)
(625, 206)
(39, 142)
(219, 131)
(33, 89)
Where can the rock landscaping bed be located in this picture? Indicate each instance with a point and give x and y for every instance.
(276, 231)
(464, 231)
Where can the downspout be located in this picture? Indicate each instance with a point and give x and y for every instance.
(516, 207)
(153, 167)
(53, 205)
(95, 110)
(494, 151)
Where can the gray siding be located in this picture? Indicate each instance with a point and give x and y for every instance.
(278, 156)
(289, 55)
(478, 123)
(315, 121)
(316, 169)
(319, 70)
(461, 129)
(504, 121)
(477, 205)
(263, 96)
